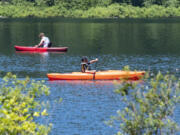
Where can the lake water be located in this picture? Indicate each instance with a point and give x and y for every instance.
(150, 45)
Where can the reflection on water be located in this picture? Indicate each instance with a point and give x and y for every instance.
(95, 37)
(84, 82)
(149, 45)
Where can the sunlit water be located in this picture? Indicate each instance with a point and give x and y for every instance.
(150, 45)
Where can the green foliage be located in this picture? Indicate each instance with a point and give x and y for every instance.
(21, 3)
(82, 4)
(19, 107)
(41, 2)
(126, 68)
(42, 10)
(172, 3)
(148, 3)
(149, 106)
(86, 4)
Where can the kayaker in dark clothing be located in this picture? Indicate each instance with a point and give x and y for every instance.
(85, 65)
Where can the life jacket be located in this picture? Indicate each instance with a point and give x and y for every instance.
(50, 44)
(85, 66)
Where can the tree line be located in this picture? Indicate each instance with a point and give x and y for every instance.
(85, 4)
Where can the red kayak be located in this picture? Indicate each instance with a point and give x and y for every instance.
(35, 49)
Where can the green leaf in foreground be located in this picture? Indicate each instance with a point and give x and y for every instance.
(19, 106)
(148, 106)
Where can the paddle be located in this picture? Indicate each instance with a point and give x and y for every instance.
(96, 65)
(95, 70)
(92, 72)
(93, 61)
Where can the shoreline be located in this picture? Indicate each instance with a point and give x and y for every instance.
(94, 20)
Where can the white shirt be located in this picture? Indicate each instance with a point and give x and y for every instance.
(45, 41)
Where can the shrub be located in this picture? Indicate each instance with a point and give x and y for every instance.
(19, 106)
(149, 106)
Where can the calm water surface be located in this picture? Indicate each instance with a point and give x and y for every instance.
(142, 44)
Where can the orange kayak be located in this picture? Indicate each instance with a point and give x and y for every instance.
(100, 75)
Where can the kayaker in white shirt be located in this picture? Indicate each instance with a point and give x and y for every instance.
(45, 42)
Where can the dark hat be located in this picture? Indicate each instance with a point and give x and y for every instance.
(84, 59)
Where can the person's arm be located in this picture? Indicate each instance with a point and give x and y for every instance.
(40, 44)
(92, 61)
